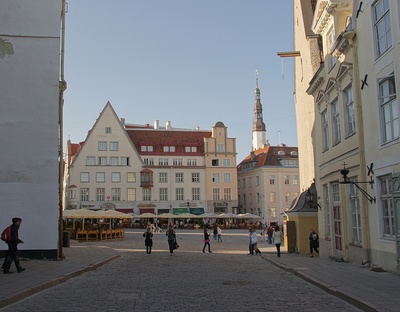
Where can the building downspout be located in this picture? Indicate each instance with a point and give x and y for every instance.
(360, 126)
(62, 87)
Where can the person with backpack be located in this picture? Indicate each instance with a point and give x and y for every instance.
(12, 253)
(171, 238)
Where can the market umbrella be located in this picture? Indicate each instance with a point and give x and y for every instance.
(187, 216)
(248, 216)
(166, 216)
(113, 214)
(228, 215)
(147, 215)
(79, 214)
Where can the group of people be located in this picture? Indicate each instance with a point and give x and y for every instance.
(171, 238)
(276, 237)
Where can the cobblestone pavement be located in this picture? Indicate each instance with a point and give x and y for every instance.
(225, 280)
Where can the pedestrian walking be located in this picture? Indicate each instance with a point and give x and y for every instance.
(148, 240)
(170, 233)
(12, 253)
(215, 231)
(252, 240)
(270, 231)
(277, 237)
(264, 234)
(314, 242)
(219, 233)
(206, 241)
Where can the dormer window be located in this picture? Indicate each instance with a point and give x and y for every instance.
(146, 148)
(108, 129)
(169, 149)
(293, 153)
(281, 153)
(190, 149)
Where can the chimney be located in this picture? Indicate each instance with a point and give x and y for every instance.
(123, 121)
(168, 125)
(156, 124)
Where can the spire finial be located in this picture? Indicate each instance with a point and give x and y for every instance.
(257, 78)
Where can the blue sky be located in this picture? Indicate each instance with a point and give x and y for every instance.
(189, 62)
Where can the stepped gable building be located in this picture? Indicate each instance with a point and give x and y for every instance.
(149, 168)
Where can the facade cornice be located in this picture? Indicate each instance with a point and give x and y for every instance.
(316, 81)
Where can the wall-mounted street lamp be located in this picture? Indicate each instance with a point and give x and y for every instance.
(344, 172)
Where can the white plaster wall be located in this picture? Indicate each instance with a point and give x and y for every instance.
(29, 119)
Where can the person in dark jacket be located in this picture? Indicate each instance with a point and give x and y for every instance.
(148, 240)
(12, 254)
(206, 240)
(314, 242)
(171, 238)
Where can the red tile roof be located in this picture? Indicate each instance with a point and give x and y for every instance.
(270, 156)
(160, 138)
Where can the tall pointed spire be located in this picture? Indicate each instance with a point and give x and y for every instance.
(259, 129)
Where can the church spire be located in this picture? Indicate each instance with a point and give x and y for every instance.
(259, 130)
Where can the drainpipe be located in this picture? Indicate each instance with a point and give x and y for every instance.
(360, 126)
(62, 87)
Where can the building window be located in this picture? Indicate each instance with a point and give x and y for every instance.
(179, 194)
(258, 198)
(100, 177)
(195, 193)
(90, 160)
(116, 177)
(163, 177)
(272, 212)
(387, 213)
(215, 177)
(102, 161)
(325, 131)
(116, 194)
(244, 199)
(326, 210)
(288, 197)
(177, 161)
(335, 122)
(100, 194)
(227, 194)
(72, 194)
(257, 180)
(272, 179)
(244, 183)
(85, 177)
(114, 146)
(190, 149)
(169, 149)
(148, 161)
(349, 111)
(108, 129)
(382, 26)
(272, 197)
(102, 146)
(146, 194)
(125, 161)
(295, 180)
(220, 148)
(195, 177)
(295, 194)
(287, 180)
(179, 177)
(388, 109)
(355, 214)
(226, 162)
(146, 148)
(216, 195)
(191, 162)
(84, 194)
(163, 161)
(330, 40)
(163, 194)
(114, 161)
(215, 162)
(131, 177)
(227, 177)
(131, 192)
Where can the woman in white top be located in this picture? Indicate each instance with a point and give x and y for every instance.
(277, 237)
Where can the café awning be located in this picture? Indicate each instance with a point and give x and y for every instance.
(196, 211)
(179, 211)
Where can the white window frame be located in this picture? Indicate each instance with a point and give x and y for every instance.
(85, 177)
(146, 194)
(84, 194)
(116, 194)
(100, 177)
(389, 109)
(163, 177)
(382, 34)
(195, 177)
(227, 177)
(179, 194)
(131, 194)
(386, 207)
(163, 194)
(350, 117)
(116, 177)
(215, 177)
(195, 193)
(90, 160)
(325, 130)
(335, 113)
(114, 146)
(131, 177)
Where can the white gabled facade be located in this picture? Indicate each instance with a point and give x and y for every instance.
(106, 168)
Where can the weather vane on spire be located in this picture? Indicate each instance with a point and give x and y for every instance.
(256, 78)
